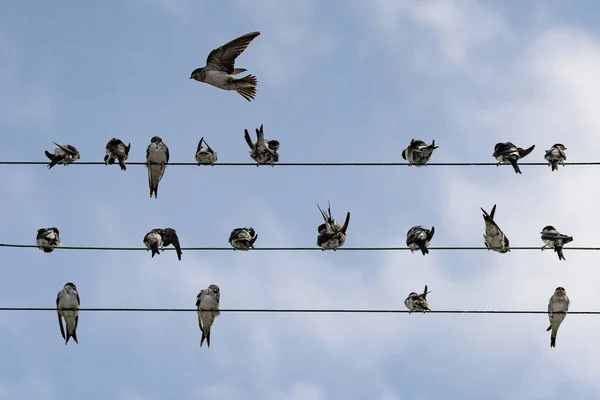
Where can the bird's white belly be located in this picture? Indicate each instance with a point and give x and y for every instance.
(219, 79)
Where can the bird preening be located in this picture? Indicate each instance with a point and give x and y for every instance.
(117, 151)
(508, 153)
(220, 70)
(157, 239)
(493, 236)
(207, 303)
(418, 152)
(331, 234)
(554, 240)
(47, 239)
(205, 155)
(243, 238)
(263, 151)
(417, 302)
(556, 155)
(418, 238)
(63, 154)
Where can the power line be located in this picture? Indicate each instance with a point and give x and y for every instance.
(302, 311)
(288, 248)
(314, 164)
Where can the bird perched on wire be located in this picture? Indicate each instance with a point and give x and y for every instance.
(157, 158)
(220, 72)
(47, 239)
(67, 307)
(263, 151)
(418, 238)
(63, 154)
(557, 311)
(243, 238)
(157, 239)
(207, 303)
(331, 235)
(116, 151)
(205, 155)
(493, 237)
(418, 152)
(508, 153)
(417, 302)
(554, 240)
(556, 155)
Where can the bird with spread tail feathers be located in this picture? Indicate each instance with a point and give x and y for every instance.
(220, 72)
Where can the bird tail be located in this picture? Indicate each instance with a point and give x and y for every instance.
(554, 165)
(72, 335)
(514, 164)
(55, 160)
(205, 335)
(246, 86)
(553, 338)
(122, 164)
(48, 249)
(155, 250)
(423, 248)
(559, 251)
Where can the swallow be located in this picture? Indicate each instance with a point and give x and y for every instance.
(331, 235)
(116, 151)
(507, 153)
(242, 238)
(219, 70)
(493, 237)
(47, 239)
(63, 154)
(263, 151)
(418, 152)
(157, 239)
(417, 302)
(153, 241)
(207, 303)
(67, 307)
(557, 311)
(555, 240)
(157, 158)
(205, 155)
(556, 155)
(418, 238)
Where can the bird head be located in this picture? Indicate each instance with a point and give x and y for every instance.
(196, 74)
(156, 139)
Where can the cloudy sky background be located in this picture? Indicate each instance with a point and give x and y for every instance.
(351, 83)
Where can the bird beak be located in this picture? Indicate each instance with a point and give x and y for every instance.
(190, 77)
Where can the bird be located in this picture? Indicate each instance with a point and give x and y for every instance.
(493, 237)
(331, 235)
(67, 307)
(557, 311)
(207, 303)
(157, 239)
(418, 238)
(417, 302)
(243, 238)
(509, 153)
(219, 70)
(63, 154)
(116, 151)
(263, 151)
(205, 155)
(555, 240)
(47, 239)
(556, 155)
(157, 158)
(418, 152)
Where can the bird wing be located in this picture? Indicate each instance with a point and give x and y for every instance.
(60, 323)
(223, 58)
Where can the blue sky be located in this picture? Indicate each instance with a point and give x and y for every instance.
(336, 83)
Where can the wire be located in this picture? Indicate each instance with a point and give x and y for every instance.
(287, 248)
(311, 164)
(304, 311)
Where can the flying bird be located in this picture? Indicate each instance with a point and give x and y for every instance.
(493, 237)
(507, 153)
(331, 235)
(67, 306)
(207, 303)
(417, 302)
(47, 239)
(63, 154)
(157, 239)
(263, 151)
(205, 155)
(116, 151)
(157, 158)
(418, 152)
(219, 70)
(557, 311)
(243, 238)
(418, 238)
(556, 155)
(555, 240)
